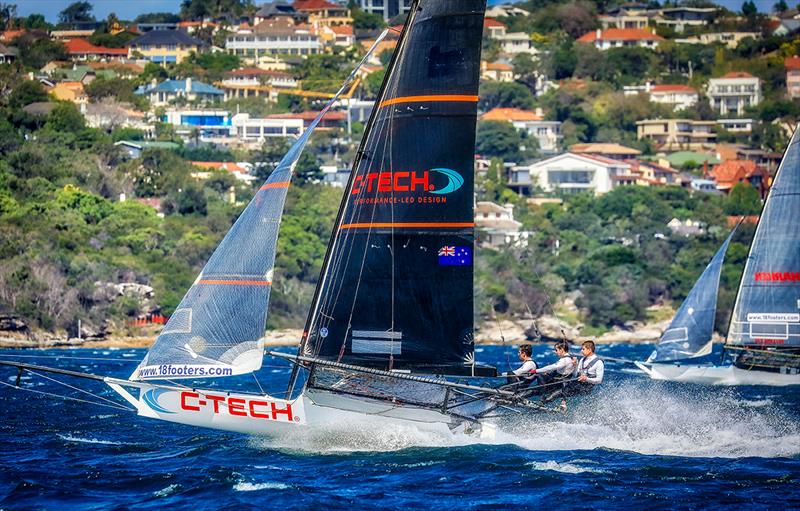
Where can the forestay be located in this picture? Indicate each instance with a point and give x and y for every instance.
(689, 334)
(218, 327)
(397, 286)
(767, 309)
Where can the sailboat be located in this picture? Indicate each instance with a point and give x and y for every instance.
(391, 323)
(763, 342)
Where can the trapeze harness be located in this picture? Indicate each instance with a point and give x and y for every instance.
(590, 371)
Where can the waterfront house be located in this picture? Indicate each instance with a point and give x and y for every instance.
(163, 46)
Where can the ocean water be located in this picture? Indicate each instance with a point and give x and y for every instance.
(636, 444)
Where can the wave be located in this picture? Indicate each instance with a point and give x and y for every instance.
(245, 486)
(665, 420)
(566, 468)
(80, 440)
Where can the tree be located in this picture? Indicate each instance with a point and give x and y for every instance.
(36, 50)
(499, 139)
(743, 200)
(576, 18)
(780, 6)
(505, 95)
(77, 11)
(8, 12)
(65, 118)
(749, 8)
(27, 92)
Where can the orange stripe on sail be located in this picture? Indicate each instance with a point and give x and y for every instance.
(432, 225)
(236, 282)
(282, 184)
(433, 99)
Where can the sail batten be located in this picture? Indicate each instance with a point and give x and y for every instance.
(400, 259)
(217, 329)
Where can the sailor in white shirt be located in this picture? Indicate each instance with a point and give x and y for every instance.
(523, 373)
(563, 368)
(591, 367)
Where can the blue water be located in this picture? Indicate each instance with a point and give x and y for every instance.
(636, 444)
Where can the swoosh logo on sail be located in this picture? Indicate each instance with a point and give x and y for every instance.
(455, 181)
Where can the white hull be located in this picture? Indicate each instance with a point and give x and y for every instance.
(716, 375)
(269, 416)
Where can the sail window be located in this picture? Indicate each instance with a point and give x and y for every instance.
(675, 335)
(180, 322)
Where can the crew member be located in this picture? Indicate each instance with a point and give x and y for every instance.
(551, 378)
(522, 376)
(590, 374)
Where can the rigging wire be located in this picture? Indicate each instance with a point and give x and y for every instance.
(68, 398)
(73, 358)
(72, 387)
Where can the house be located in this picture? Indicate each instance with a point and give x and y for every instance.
(686, 227)
(768, 160)
(337, 35)
(675, 134)
(8, 54)
(679, 18)
(497, 227)
(681, 97)
(514, 43)
(163, 46)
(493, 28)
(792, 65)
(330, 121)
(188, 90)
(729, 39)
(69, 91)
(546, 133)
(505, 11)
(651, 173)
(191, 27)
(736, 125)
(322, 13)
(335, 176)
(278, 8)
(606, 150)
(620, 38)
(201, 124)
(271, 37)
(386, 8)
(109, 114)
(734, 92)
(623, 20)
(237, 170)
(786, 27)
(731, 172)
(135, 148)
(252, 81)
(81, 49)
(251, 129)
(498, 71)
(570, 173)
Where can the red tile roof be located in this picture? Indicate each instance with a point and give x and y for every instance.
(730, 172)
(84, 47)
(342, 29)
(316, 5)
(491, 22)
(220, 165)
(510, 114)
(620, 34)
(310, 116)
(792, 63)
(673, 88)
(737, 74)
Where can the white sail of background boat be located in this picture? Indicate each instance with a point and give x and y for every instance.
(392, 315)
(763, 342)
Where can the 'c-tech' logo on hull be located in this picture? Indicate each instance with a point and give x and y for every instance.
(403, 181)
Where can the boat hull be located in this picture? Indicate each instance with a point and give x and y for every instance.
(716, 375)
(269, 416)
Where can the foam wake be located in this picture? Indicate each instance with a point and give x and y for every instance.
(646, 418)
(657, 419)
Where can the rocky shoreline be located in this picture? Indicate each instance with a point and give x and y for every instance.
(503, 331)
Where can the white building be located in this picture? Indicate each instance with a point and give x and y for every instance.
(571, 173)
(497, 226)
(386, 8)
(249, 129)
(734, 92)
(736, 125)
(621, 38)
(205, 124)
(546, 133)
(274, 36)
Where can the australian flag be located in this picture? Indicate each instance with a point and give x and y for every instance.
(455, 256)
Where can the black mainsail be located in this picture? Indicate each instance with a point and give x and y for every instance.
(396, 290)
